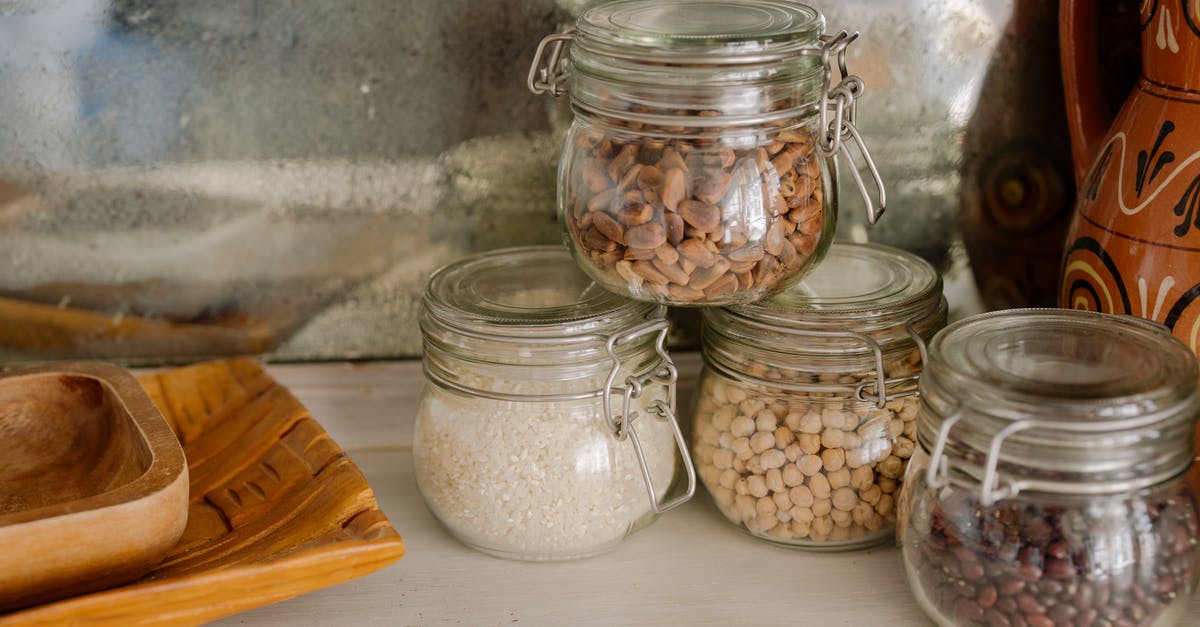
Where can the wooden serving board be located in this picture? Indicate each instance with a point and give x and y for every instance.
(277, 508)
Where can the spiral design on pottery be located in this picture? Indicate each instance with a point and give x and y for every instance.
(1091, 281)
(1184, 318)
(1191, 14)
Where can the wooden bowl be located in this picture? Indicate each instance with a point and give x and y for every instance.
(93, 483)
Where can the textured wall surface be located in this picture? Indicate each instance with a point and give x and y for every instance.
(303, 163)
(302, 166)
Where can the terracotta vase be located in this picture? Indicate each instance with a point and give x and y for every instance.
(1134, 242)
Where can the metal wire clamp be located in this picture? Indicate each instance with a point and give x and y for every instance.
(623, 426)
(842, 100)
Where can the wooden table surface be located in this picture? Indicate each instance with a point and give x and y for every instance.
(690, 567)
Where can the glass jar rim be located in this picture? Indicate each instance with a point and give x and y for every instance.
(663, 64)
(1058, 401)
(497, 293)
(862, 282)
(871, 290)
(705, 31)
(1052, 360)
(861, 307)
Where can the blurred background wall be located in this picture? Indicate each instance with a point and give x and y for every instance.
(185, 179)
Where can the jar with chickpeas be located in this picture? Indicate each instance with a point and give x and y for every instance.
(806, 409)
(697, 168)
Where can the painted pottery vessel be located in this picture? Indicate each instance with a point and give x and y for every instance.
(1134, 243)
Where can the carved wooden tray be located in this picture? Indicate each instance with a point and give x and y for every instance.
(277, 509)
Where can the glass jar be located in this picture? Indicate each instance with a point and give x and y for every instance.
(1049, 485)
(546, 429)
(806, 410)
(696, 171)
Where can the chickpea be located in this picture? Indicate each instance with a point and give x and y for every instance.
(810, 443)
(804, 514)
(870, 495)
(765, 507)
(782, 500)
(792, 476)
(741, 426)
(844, 498)
(819, 486)
(861, 477)
(810, 465)
(839, 478)
(722, 458)
(729, 478)
(833, 459)
(783, 437)
(756, 485)
(801, 496)
(723, 418)
(813, 467)
(811, 423)
(762, 441)
(885, 505)
(773, 458)
(833, 438)
(765, 421)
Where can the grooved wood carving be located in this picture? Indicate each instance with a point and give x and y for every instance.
(277, 509)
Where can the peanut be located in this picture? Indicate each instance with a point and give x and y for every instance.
(628, 196)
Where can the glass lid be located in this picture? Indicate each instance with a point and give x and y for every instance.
(530, 287)
(855, 281)
(736, 29)
(1059, 401)
(1064, 358)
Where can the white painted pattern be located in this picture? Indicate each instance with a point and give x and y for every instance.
(1166, 32)
(1164, 288)
(1132, 211)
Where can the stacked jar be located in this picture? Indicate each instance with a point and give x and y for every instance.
(546, 429)
(1049, 488)
(806, 410)
(696, 170)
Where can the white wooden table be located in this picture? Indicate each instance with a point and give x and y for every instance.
(690, 567)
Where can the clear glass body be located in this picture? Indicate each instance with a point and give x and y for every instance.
(1049, 486)
(536, 480)
(713, 218)
(691, 174)
(1049, 560)
(512, 451)
(788, 436)
(810, 469)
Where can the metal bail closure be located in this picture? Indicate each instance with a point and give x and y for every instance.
(623, 425)
(842, 99)
(881, 396)
(550, 77)
(937, 475)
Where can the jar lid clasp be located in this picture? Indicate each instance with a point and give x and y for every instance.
(550, 76)
(623, 426)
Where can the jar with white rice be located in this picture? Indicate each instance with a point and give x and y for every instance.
(546, 429)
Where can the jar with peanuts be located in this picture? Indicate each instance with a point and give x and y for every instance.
(697, 170)
(806, 410)
(1049, 487)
